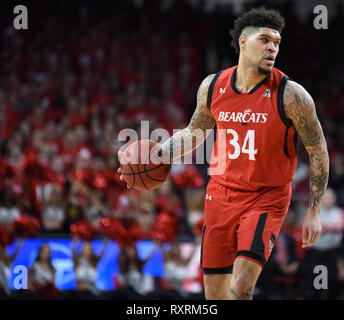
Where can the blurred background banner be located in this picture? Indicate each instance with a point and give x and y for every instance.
(84, 70)
(61, 256)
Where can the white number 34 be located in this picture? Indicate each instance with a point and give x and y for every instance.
(247, 147)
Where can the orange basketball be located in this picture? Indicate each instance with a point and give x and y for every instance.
(141, 168)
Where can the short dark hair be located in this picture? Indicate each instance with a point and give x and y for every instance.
(256, 17)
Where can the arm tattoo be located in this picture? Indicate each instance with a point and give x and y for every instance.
(299, 108)
(202, 118)
(186, 140)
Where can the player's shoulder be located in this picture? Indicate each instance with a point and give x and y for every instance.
(293, 91)
(207, 81)
(205, 91)
(296, 99)
(294, 86)
(213, 77)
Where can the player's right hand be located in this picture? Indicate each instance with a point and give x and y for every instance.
(120, 154)
(119, 170)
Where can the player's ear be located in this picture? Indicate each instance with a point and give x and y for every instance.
(242, 42)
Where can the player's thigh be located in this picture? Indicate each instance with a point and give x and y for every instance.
(219, 243)
(216, 285)
(257, 234)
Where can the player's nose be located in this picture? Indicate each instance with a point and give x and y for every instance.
(272, 47)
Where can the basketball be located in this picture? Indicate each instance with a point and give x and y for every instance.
(141, 166)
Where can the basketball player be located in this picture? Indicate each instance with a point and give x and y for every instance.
(262, 113)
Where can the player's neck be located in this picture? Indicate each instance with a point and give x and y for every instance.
(247, 76)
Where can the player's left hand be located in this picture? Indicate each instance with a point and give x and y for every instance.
(311, 229)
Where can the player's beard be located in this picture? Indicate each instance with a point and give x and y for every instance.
(263, 71)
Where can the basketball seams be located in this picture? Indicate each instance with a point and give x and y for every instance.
(150, 177)
(132, 170)
(146, 171)
(146, 179)
(138, 168)
(137, 165)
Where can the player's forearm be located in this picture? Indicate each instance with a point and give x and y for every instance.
(201, 124)
(319, 172)
(300, 109)
(183, 142)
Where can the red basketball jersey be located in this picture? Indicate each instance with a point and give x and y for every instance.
(255, 143)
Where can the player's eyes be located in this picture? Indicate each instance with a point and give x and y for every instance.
(265, 40)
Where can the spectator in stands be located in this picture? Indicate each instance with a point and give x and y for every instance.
(6, 262)
(167, 200)
(336, 179)
(85, 267)
(326, 250)
(41, 277)
(53, 211)
(131, 282)
(194, 205)
(9, 207)
(340, 266)
(95, 208)
(145, 209)
(175, 272)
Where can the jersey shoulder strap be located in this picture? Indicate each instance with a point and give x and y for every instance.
(211, 89)
(280, 93)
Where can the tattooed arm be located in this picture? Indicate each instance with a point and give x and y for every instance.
(300, 109)
(188, 139)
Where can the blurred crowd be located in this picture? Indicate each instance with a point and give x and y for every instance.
(84, 71)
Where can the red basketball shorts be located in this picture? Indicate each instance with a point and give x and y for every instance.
(241, 223)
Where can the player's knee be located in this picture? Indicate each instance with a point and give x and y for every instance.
(241, 286)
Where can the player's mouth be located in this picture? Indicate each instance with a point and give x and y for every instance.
(269, 60)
